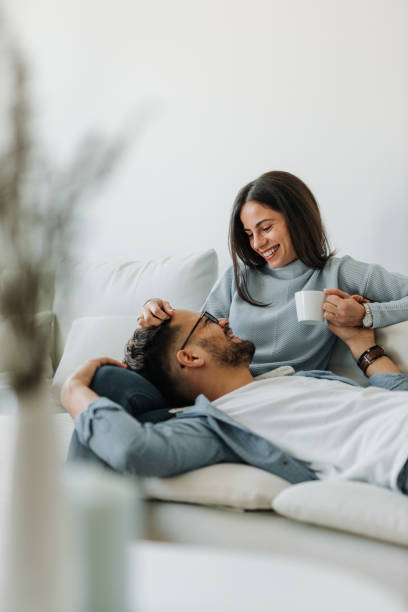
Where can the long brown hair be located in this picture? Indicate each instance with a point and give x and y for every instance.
(287, 194)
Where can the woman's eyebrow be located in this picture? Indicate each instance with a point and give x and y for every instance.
(263, 221)
(260, 222)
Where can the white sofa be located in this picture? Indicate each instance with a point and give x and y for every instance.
(351, 525)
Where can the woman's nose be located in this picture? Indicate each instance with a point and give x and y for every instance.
(258, 241)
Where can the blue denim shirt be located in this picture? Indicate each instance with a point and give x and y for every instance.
(201, 435)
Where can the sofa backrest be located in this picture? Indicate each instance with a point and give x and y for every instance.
(88, 289)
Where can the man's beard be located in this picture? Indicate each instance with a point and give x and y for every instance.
(232, 354)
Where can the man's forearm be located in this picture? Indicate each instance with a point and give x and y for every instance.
(75, 392)
(382, 365)
(76, 397)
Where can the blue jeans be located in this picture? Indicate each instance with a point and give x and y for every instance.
(130, 390)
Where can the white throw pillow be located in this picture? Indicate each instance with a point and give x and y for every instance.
(349, 506)
(224, 484)
(121, 289)
(91, 337)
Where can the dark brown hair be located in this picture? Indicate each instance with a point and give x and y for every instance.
(148, 353)
(287, 194)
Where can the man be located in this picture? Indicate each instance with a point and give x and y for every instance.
(295, 426)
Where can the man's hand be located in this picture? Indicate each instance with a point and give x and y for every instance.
(358, 339)
(75, 392)
(343, 309)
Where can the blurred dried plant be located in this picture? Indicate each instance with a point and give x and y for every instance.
(37, 210)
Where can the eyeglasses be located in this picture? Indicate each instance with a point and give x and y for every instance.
(205, 314)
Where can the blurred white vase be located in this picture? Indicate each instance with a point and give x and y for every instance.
(37, 561)
(106, 516)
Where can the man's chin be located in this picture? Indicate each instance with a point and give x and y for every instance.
(249, 348)
(242, 352)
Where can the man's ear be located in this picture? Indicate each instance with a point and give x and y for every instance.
(189, 359)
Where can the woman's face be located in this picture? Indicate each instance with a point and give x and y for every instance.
(268, 234)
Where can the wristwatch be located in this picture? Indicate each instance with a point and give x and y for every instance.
(369, 356)
(368, 317)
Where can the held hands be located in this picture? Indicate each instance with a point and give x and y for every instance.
(154, 312)
(353, 335)
(342, 314)
(342, 309)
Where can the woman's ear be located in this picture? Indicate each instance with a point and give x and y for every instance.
(189, 359)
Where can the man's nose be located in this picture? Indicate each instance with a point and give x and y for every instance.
(223, 323)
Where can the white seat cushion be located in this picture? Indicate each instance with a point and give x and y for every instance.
(349, 506)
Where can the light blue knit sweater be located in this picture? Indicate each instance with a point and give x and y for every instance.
(278, 336)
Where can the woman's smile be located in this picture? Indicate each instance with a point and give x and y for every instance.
(270, 253)
(268, 234)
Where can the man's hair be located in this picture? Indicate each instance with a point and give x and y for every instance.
(148, 353)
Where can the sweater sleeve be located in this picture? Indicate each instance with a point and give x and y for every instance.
(219, 299)
(387, 291)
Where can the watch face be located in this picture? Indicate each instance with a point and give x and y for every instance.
(368, 317)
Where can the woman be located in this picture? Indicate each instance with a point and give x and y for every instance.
(279, 246)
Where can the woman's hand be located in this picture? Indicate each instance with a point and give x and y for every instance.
(342, 309)
(155, 312)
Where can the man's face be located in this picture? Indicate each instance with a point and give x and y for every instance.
(217, 339)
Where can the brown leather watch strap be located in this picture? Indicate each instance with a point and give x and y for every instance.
(369, 356)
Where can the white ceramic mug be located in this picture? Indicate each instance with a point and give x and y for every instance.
(309, 306)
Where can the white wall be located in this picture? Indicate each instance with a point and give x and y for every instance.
(225, 91)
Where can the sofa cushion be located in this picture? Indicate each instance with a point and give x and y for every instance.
(226, 484)
(349, 506)
(102, 289)
(91, 337)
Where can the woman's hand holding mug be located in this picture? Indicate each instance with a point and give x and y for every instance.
(343, 309)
